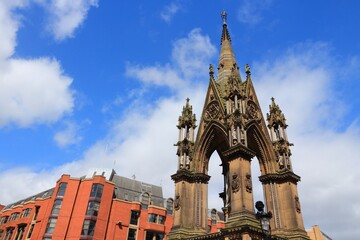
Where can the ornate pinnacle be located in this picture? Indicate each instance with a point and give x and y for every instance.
(224, 16)
(276, 117)
(187, 117)
(247, 69)
(211, 71)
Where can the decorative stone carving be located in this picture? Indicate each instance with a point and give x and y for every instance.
(248, 183)
(252, 110)
(177, 202)
(297, 204)
(212, 110)
(235, 183)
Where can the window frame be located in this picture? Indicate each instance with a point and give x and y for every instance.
(134, 217)
(90, 227)
(56, 207)
(96, 190)
(90, 210)
(133, 237)
(50, 227)
(62, 189)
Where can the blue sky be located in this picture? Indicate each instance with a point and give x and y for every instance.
(93, 83)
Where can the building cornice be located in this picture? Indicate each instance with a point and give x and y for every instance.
(281, 177)
(191, 177)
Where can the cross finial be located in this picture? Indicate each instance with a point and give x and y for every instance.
(224, 16)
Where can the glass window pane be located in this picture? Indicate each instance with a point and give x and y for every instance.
(134, 217)
(96, 190)
(131, 234)
(56, 207)
(88, 227)
(93, 208)
(62, 189)
(162, 219)
(51, 225)
(152, 218)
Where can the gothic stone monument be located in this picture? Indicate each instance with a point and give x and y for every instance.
(233, 125)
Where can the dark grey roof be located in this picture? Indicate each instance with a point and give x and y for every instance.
(43, 194)
(131, 190)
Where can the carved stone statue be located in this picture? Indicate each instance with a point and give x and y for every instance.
(248, 183)
(297, 204)
(234, 137)
(235, 183)
(177, 202)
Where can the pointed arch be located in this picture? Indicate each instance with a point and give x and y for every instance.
(213, 138)
(259, 142)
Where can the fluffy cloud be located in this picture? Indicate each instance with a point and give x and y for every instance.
(189, 60)
(68, 136)
(9, 26)
(169, 11)
(250, 12)
(32, 91)
(65, 16)
(302, 81)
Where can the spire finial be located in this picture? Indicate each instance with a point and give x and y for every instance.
(224, 16)
(211, 70)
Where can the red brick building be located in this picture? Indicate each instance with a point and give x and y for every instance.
(101, 205)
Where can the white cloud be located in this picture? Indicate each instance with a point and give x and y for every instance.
(32, 91)
(68, 136)
(190, 60)
(250, 11)
(191, 54)
(155, 75)
(9, 25)
(65, 16)
(169, 11)
(302, 82)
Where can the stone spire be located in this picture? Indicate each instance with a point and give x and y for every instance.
(277, 125)
(185, 144)
(227, 60)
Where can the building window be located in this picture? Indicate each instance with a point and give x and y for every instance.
(169, 206)
(20, 232)
(4, 219)
(134, 217)
(152, 218)
(93, 208)
(51, 225)
(161, 219)
(37, 209)
(213, 216)
(88, 227)
(62, 189)
(56, 207)
(96, 191)
(131, 234)
(154, 236)
(31, 230)
(14, 216)
(9, 233)
(26, 212)
(145, 197)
